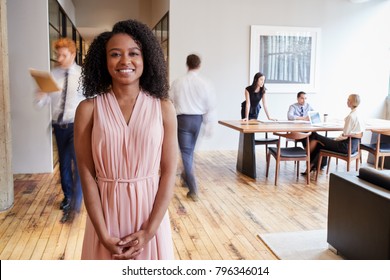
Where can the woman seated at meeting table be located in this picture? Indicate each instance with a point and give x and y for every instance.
(352, 126)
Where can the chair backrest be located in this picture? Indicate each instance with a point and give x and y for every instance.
(378, 137)
(294, 135)
(350, 137)
(381, 132)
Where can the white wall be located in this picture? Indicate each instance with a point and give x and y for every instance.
(354, 53)
(28, 48)
(28, 44)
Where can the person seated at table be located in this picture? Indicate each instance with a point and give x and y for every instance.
(353, 125)
(299, 110)
(250, 108)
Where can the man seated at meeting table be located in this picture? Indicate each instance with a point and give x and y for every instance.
(299, 110)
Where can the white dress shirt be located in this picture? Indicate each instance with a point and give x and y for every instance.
(74, 94)
(295, 111)
(193, 95)
(352, 125)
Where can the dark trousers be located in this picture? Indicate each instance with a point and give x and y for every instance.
(70, 179)
(188, 131)
(330, 145)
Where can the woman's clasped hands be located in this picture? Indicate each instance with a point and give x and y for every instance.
(129, 247)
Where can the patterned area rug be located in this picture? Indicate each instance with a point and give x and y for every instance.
(299, 245)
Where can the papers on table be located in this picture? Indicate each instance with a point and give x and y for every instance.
(284, 121)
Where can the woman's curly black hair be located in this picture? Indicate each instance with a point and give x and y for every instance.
(95, 77)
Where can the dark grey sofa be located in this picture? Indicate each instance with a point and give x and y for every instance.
(359, 214)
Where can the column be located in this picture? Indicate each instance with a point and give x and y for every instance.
(6, 177)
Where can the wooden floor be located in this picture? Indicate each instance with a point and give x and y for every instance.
(233, 209)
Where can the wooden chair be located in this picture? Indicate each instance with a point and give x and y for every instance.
(378, 149)
(294, 142)
(266, 141)
(289, 154)
(348, 157)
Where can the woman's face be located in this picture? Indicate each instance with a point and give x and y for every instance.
(349, 102)
(124, 60)
(260, 81)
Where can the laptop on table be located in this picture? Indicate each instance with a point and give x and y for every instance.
(315, 120)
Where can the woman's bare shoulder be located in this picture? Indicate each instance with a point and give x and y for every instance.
(167, 105)
(167, 109)
(85, 107)
(87, 103)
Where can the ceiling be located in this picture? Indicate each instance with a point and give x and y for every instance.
(96, 16)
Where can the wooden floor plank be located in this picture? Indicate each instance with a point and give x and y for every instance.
(231, 216)
(39, 212)
(223, 225)
(178, 229)
(211, 252)
(42, 248)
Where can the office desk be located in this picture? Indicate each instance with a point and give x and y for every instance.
(246, 159)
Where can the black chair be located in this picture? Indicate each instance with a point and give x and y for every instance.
(290, 154)
(378, 149)
(348, 157)
(266, 141)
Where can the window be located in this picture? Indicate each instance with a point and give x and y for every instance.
(161, 30)
(61, 26)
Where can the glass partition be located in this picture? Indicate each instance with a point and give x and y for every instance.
(61, 26)
(161, 30)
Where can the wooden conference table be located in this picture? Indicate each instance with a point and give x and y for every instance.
(246, 157)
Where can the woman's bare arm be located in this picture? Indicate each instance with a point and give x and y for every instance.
(82, 140)
(248, 105)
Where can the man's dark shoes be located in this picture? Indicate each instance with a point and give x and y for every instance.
(68, 216)
(192, 196)
(183, 181)
(65, 204)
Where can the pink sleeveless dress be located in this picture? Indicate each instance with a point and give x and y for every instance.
(127, 161)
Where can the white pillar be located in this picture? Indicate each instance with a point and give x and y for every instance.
(6, 177)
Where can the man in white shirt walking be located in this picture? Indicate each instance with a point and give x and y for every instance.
(194, 101)
(63, 108)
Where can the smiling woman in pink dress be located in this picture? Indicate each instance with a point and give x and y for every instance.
(126, 146)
